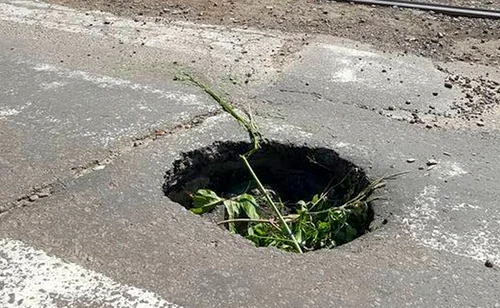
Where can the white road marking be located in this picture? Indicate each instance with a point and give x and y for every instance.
(429, 222)
(450, 169)
(103, 81)
(6, 111)
(31, 278)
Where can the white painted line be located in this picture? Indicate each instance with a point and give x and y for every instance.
(103, 81)
(30, 278)
(428, 222)
(6, 111)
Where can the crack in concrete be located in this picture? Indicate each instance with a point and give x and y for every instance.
(46, 190)
(414, 115)
(36, 193)
(320, 96)
(142, 141)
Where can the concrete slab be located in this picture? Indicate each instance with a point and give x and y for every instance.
(54, 120)
(93, 83)
(116, 221)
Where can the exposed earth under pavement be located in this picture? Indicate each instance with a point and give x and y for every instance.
(389, 29)
(92, 116)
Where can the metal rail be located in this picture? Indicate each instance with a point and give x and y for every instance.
(441, 8)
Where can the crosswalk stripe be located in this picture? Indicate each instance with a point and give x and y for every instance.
(31, 278)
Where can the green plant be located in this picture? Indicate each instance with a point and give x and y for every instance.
(261, 218)
(315, 224)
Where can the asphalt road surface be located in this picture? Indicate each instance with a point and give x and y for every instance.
(91, 118)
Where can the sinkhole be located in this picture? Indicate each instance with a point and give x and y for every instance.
(323, 198)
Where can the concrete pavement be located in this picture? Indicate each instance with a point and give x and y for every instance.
(76, 122)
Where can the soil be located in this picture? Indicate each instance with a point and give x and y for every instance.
(390, 29)
(288, 169)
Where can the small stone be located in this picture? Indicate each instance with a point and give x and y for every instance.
(431, 162)
(488, 263)
(44, 193)
(435, 93)
(34, 197)
(410, 160)
(408, 102)
(22, 203)
(448, 85)
(391, 108)
(160, 132)
(480, 123)
(421, 168)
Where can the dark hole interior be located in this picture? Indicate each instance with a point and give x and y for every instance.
(293, 172)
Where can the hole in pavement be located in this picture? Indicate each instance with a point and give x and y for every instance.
(293, 173)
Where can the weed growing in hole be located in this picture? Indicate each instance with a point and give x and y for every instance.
(259, 215)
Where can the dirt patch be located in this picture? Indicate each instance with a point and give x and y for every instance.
(392, 29)
(481, 95)
(295, 172)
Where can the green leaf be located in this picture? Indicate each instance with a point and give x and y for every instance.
(233, 210)
(250, 210)
(250, 231)
(205, 200)
(315, 199)
(249, 205)
(298, 236)
(205, 197)
(199, 210)
(323, 226)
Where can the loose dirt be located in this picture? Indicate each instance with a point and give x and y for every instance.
(390, 29)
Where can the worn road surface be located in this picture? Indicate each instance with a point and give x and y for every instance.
(91, 118)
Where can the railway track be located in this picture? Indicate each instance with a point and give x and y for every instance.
(439, 8)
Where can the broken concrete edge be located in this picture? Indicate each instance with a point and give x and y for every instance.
(276, 132)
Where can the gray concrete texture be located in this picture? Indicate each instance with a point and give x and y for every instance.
(442, 221)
